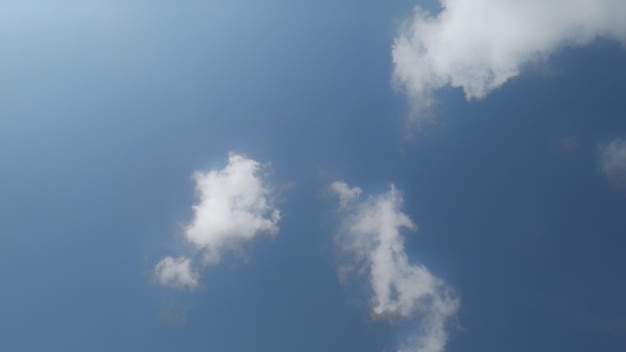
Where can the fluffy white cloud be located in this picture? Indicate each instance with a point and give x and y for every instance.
(613, 162)
(478, 45)
(234, 206)
(176, 273)
(371, 239)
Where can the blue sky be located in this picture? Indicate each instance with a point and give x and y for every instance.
(500, 127)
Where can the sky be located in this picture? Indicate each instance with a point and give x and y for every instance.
(415, 176)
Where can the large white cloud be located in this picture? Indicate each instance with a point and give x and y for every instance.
(234, 206)
(478, 45)
(613, 162)
(371, 240)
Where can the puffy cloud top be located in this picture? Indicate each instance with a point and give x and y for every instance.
(478, 45)
(233, 207)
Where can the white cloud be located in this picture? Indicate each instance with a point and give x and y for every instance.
(479, 45)
(176, 273)
(345, 193)
(234, 206)
(613, 162)
(371, 239)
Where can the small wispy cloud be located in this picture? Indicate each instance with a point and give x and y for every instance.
(234, 206)
(570, 144)
(613, 162)
(345, 193)
(480, 45)
(371, 244)
(174, 314)
(176, 273)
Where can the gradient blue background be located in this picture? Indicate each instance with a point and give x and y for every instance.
(106, 108)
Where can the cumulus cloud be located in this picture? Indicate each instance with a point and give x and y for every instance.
(176, 273)
(481, 44)
(613, 162)
(234, 206)
(370, 239)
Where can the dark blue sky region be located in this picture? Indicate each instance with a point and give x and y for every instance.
(108, 108)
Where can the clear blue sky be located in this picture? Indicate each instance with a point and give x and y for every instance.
(108, 107)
